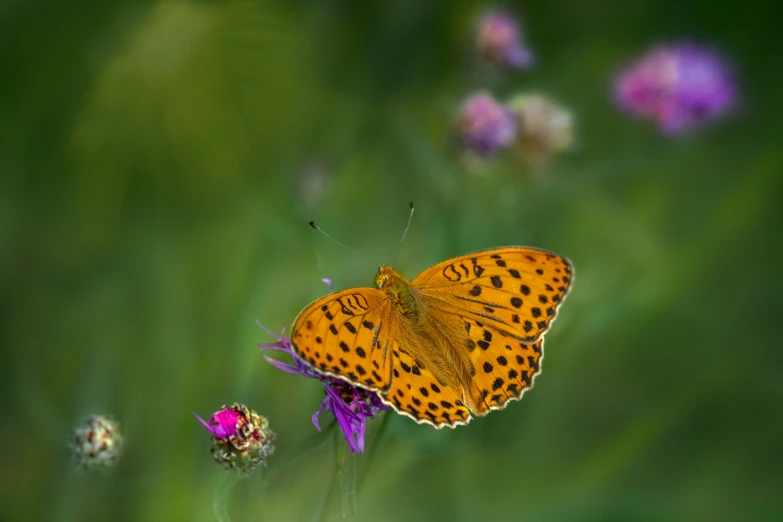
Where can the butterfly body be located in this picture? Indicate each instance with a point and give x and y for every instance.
(463, 338)
(398, 289)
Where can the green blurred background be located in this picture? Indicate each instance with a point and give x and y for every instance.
(160, 161)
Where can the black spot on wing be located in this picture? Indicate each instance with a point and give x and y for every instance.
(451, 274)
(477, 269)
(344, 309)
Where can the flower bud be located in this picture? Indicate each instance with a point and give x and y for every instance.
(241, 438)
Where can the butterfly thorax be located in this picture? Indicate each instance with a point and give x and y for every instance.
(398, 289)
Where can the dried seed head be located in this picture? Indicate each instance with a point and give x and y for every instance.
(97, 443)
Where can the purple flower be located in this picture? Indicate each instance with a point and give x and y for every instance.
(350, 405)
(680, 86)
(498, 39)
(485, 125)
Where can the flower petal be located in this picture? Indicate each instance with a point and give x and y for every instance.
(203, 422)
(324, 406)
(288, 368)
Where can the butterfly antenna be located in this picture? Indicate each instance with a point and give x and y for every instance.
(410, 218)
(319, 229)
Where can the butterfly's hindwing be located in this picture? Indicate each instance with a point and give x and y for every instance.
(415, 392)
(504, 367)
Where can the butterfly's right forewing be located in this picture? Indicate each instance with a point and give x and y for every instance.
(517, 290)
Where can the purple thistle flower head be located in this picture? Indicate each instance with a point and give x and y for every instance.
(680, 86)
(241, 438)
(350, 405)
(498, 40)
(485, 125)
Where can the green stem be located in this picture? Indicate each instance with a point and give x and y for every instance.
(319, 515)
(371, 454)
(226, 483)
(346, 477)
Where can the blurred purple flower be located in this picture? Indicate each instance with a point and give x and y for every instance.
(498, 39)
(680, 86)
(485, 125)
(349, 404)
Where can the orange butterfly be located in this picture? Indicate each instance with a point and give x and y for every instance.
(464, 337)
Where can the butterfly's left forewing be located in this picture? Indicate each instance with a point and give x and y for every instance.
(343, 335)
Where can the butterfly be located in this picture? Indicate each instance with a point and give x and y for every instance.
(463, 338)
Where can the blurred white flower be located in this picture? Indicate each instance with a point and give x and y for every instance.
(543, 127)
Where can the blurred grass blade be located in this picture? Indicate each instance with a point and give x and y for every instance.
(373, 452)
(297, 453)
(226, 483)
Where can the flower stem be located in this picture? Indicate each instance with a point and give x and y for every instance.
(320, 513)
(371, 454)
(223, 489)
(346, 477)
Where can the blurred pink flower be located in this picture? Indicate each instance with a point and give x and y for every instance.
(680, 86)
(498, 39)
